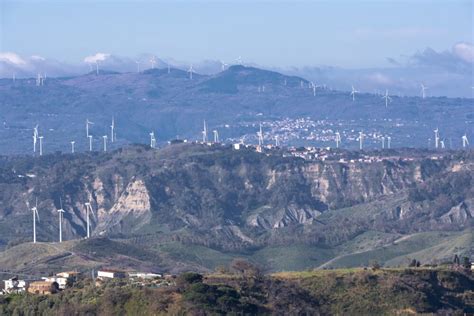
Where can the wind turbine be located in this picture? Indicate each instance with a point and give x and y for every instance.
(442, 144)
(41, 145)
(361, 140)
(389, 140)
(277, 141)
(152, 140)
(223, 65)
(153, 62)
(353, 93)
(190, 71)
(383, 142)
(105, 142)
(72, 146)
(88, 211)
(239, 60)
(90, 142)
(34, 209)
(216, 136)
(87, 126)
(338, 139)
(465, 141)
(313, 86)
(35, 137)
(436, 132)
(204, 133)
(138, 65)
(260, 136)
(423, 91)
(387, 98)
(61, 214)
(112, 130)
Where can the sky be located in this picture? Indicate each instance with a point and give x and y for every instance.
(351, 34)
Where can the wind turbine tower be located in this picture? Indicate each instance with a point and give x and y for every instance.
(436, 132)
(190, 71)
(72, 146)
(353, 93)
(260, 136)
(153, 62)
(90, 142)
(112, 130)
(338, 139)
(138, 65)
(34, 209)
(105, 142)
(41, 145)
(423, 91)
(35, 137)
(389, 140)
(383, 142)
(61, 215)
(152, 140)
(88, 212)
(387, 98)
(361, 140)
(204, 132)
(465, 141)
(216, 136)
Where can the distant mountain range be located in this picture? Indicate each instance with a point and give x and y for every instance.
(445, 73)
(233, 102)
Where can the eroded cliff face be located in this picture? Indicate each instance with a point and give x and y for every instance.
(227, 193)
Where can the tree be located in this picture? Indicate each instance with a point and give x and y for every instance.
(456, 259)
(246, 268)
(412, 263)
(466, 263)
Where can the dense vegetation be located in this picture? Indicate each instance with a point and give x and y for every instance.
(245, 291)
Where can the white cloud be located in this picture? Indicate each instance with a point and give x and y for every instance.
(97, 57)
(465, 51)
(36, 57)
(12, 58)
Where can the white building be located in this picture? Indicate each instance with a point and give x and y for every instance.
(61, 281)
(111, 274)
(14, 285)
(144, 275)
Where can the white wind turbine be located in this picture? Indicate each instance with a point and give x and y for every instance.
(34, 209)
(216, 136)
(89, 210)
(72, 146)
(204, 132)
(436, 132)
(361, 140)
(190, 71)
(112, 130)
(152, 140)
(353, 93)
(423, 90)
(387, 98)
(260, 136)
(223, 65)
(35, 137)
(383, 142)
(441, 142)
(465, 141)
(313, 86)
(389, 140)
(138, 65)
(90, 142)
(41, 145)
(105, 142)
(239, 60)
(153, 62)
(338, 139)
(277, 141)
(87, 126)
(61, 215)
